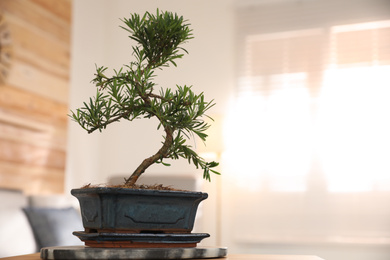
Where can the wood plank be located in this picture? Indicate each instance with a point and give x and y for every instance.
(31, 155)
(45, 45)
(22, 129)
(32, 106)
(33, 103)
(36, 256)
(32, 180)
(27, 12)
(27, 56)
(22, 122)
(29, 78)
(60, 8)
(50, 53)
(55, 139)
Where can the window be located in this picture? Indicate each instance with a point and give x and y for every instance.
(306, 166)
(314, 94)
(354, 109)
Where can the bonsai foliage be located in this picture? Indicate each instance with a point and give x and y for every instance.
(131, 92)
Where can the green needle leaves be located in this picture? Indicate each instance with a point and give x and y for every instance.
(130, 92)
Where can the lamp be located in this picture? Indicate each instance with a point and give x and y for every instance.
(214, 146)
(212, 151)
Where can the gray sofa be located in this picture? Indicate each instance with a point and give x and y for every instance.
(28, 223)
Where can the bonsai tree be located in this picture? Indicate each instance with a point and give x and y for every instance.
(131, 93)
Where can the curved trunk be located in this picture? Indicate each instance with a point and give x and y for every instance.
(162, 153)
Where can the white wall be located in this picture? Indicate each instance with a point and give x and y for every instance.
(88, 48)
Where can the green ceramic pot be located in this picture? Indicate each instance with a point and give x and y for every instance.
(105, 209)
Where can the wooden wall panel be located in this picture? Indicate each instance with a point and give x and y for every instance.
(34, 98)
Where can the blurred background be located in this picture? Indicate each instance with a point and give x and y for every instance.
(302, 121)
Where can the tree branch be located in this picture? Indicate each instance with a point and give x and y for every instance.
(99, 126)
(162, 153)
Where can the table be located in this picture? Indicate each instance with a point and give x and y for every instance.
(229, 257)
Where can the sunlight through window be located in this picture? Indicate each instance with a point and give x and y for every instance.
(269, 136)
(354, 126)
(354, 109)
(314, 102)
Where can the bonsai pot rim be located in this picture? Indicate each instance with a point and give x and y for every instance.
(150, 192)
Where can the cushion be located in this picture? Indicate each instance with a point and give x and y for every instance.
(12, 199)
(16, 236)
(54, 226)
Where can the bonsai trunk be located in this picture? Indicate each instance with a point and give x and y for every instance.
(162, 153)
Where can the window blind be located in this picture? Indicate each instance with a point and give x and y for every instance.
(308, 136)
(295, 68)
